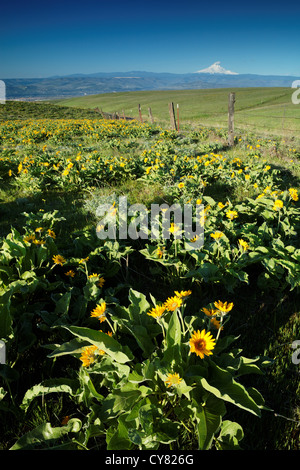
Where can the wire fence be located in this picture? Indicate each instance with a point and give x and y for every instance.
(238, 119)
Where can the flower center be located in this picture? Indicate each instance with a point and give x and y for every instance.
(200, 345)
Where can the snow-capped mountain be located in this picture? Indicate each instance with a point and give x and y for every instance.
(216, 68)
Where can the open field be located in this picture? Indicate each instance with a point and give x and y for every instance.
(101, 336)
(263, 110)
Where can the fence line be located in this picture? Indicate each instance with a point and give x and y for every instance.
(230, 115)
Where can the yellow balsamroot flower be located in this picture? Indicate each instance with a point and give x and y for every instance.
(216, 324)
(223, 307)
(172, 303)
(183, 293)
(89, 355)
(83, 260)
(231, 214)
(202, 343)
(181, 185)
(29, 238)
(99, 312)
(209, 312)
(174, 228)
(51, 233)
(278, 204)
(101, 282)
(38, 242)
(70, 273)
(217, 235)
(157, 312)
(173, 379)
(58, 259)
(244, 245)
(293, 194)
(160, 252)
(221, 205)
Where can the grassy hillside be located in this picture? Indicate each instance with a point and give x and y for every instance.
(28, 110)
(265, 110)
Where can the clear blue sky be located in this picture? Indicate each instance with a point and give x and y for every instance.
(46, 38)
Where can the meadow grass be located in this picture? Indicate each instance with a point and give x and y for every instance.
(267, 111)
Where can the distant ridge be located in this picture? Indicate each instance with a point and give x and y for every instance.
(79, 84)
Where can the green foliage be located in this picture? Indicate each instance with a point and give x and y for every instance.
(127, 378)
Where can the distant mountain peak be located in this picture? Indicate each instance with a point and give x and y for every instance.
(216, 68)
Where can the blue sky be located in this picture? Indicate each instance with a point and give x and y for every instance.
(43, 38)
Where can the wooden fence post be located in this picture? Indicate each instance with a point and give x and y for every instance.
(140, 113)
(231, 101)
(172, 116)
(150, 115)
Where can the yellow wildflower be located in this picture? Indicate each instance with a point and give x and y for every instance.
(157, 312)
(278, 204)
(223, 307)
(89, 355)
(173, 379)
(244, 245)
(99, 312)
(172, 303)
(217, 235)
(293, 194)
(231, 214)
(202, 343)
(183, 293)
(58, 259)
(51, 233)
(70, 273)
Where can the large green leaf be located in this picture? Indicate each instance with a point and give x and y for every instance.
(223, 386)
(6, 321)
(172, 354)
(230, 435)
(207, 425)
(74, 346)
(108, 344)
(208, 412)
(45, 436)
(63, 385)
(119, 401)
(138, 305)
(117, 439)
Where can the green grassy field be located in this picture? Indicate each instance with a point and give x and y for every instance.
(263, 110)
(64, 158)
